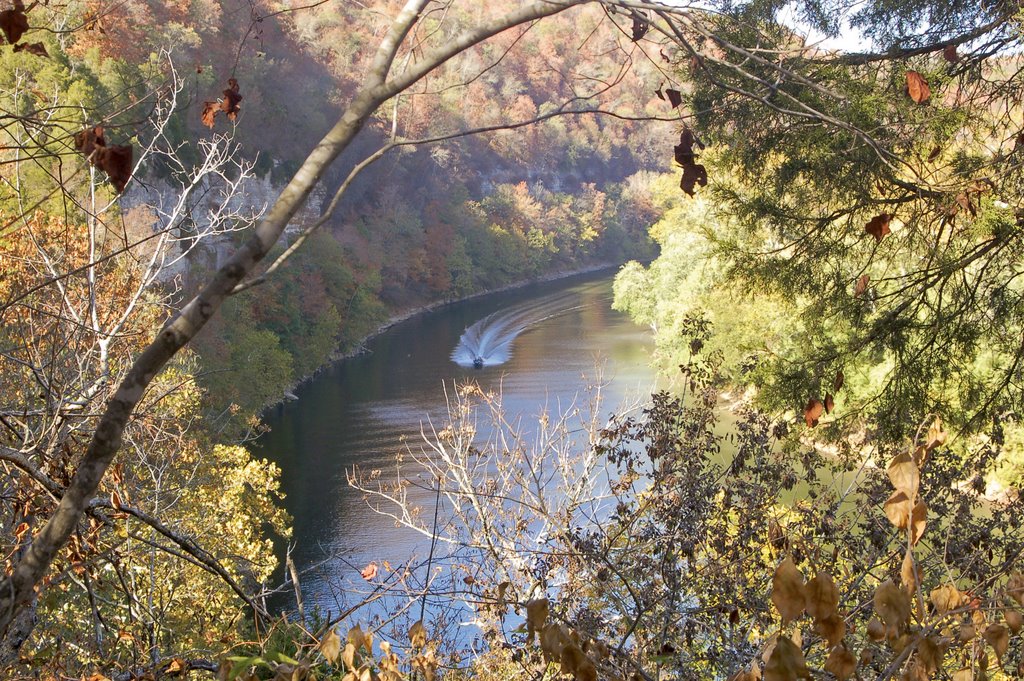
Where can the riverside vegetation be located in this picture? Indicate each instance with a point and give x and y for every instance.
(843, 244)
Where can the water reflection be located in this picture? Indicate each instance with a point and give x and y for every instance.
(367, 410)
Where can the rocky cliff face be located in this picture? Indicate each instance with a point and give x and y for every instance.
(205, 217)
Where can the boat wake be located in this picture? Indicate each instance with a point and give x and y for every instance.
(488, 342)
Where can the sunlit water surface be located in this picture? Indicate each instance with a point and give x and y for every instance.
(541, 345)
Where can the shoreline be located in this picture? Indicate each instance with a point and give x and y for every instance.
(399, 317)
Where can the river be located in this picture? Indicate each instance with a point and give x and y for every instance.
(541, 345)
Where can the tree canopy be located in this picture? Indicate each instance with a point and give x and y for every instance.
(848, 222)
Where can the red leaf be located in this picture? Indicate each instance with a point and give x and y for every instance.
(861, 286)
(917, 87)
(369, 572)
(675, 98)
(830, 403)
(812, 412)
(878, 227)
(950, 55)
(37, 49)
(14, 23)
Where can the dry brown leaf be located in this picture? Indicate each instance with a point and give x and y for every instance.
(910, 573)
(232, 99)
(788, 590)
(640, 27)
(369, 572)
(998, 636)
(14, 23)
(876, 630)
(904, 475)
(693, 174)
(897, 509)
(418, 635)
(945, 598)
(917, 87)
(878, 226)
(936, 435)
(949, 54)
(330, 646)
(892, 605)
(838, 381)
(1013, 619)
(841, 663)
(861, 286)
(116, 162)
(1015, 587)
(786, 662)
(813, 411)
(675, 98)
(930, 654)
(536, 615)
(822, 597)
(576, 662)
(918, 521)
(210, 111)
(831, 628)
(359, 638)
(37, 49)
(348, 656)
(830, 403)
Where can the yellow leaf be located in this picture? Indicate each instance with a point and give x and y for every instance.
(788, 590)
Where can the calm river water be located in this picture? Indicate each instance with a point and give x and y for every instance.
(364, 410)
